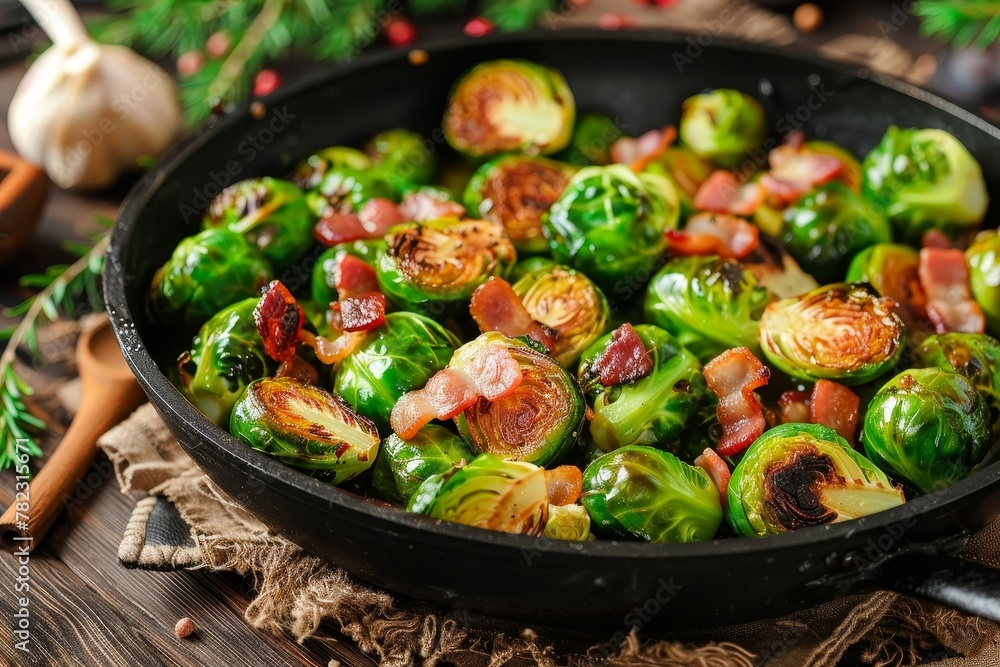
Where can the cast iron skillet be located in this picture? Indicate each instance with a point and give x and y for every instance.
(635, 78)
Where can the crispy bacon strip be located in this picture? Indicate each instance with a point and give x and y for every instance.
(564, 485)
(639, 152)
(496, 307)
(423, 205)
(714, 234)
(717, 469)
(279, 320)
(299, 369)
(331, 351)
(354, 277)
(795, 170)
(667, 136)
(944, 276)
(361, 313)
(733, 376)
(373, 220)
(793, 407)
(723, 193)
(835, 406)
(625, 359)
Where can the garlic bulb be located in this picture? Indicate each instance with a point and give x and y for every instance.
(86, 111)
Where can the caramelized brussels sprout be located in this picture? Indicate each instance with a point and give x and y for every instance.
(324, 273)
(306, 427)
(311, 171)
(983, 257)
(402, 465)
(723, 125)
(651, 411)
(568, 522)
(799, 475)
(539, 422)
(272, 214)
(489, 492)
(403, 153)
(516, 190)
(509, 105)
(609, 222)
(926, 179)
(708, 304)
(591, 141)
(205, 273)
(567, 302)
(843, 332)
(892, 269)
(644, 492)
(225, 356)
(974, 356)
(825, 229)
(397, 357)
(345, 190)
(440, 263)
(928, 426)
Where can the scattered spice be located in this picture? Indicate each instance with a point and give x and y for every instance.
(807, 17)
(184, 628)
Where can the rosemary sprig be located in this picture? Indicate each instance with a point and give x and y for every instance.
(962, 22)
(16, 422)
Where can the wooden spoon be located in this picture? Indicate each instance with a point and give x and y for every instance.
(110, 393)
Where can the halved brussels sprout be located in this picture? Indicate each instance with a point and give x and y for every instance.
(345, 190)
(652, 410)
(709, 304)
(825, 229)
(306, 427)
(530, 265)
(644, 492)
(439, 263)
(489, 492)
(272, 214)
(403, 153)
(324, 274)
(397, 357)
(975, 356)
(684, 167)
(568, 522)
(539, 422)
(591, 141)
(225, 356)
(205, 273)
(311, 171)
(609, 222)
(983, 257)
(799, 475)
(892, 269)
(402, 465)
(567, 302)
(926, 179)
(723, 125)
(929, 426)
(509, 105)
(844, 332)
(516, 190)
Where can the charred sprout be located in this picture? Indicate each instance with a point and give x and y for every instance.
(403, 465)
(983, 257)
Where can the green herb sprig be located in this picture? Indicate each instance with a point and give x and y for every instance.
(961, 22)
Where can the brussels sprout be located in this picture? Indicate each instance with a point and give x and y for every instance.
(403, 153)
(345, 189)
(310, 171)
(609, 222)
(929, 426)
(491, 493)
(723, 125)
(983, 257)
(509, 105)
(397, 357)
(306, 427)
(648, 493)
(271, 214)
(708, 304)
(925, 179)
(829, 226)
(516, 190)
(652, 410)
(568, 522)
(205, 273)
(568, 303)
(530, 265)
(440, 263)
(324, 273)
(892, 270)
(798, 475)
(539, 422)
(686, 170)
(591, 141)
(225, 356)
(843, 332)
(402, 465)
(975, 356)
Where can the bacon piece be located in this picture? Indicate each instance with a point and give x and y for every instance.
(490, 366)
(733, 376)
(835, 406)
(279, 320)
(354, 277)
(719, 234)
(298, 368)
(411, 412)
(794, 407)
(718, 471)
(944, 277)
(639, 152)
(423, 205)
(625, 359)
(496, 307)
(372, 221)
(795, 170)
(935, 239)
(361, 313)
(331, 351)
(722, 193)
(378, 214)
(564, 485)
(450, 392)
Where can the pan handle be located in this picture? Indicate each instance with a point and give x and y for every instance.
(950, 581)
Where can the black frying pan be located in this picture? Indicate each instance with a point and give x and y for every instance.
(635, 78)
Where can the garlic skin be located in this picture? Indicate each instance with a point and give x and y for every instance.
(86, 111)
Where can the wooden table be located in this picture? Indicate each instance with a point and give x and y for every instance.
(87, 610)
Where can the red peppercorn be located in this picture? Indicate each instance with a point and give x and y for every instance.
(266, 81)
(479, 26)
(190, 62)
(217, 45)
(400, 31)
